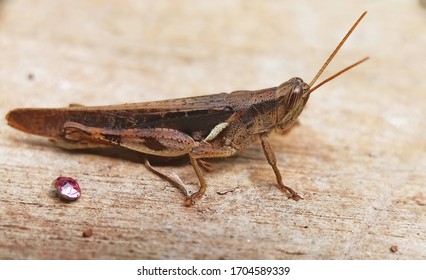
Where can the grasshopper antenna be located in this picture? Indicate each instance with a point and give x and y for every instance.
(332, 56)
(337, 74)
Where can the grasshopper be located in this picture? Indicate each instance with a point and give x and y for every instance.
(210, 126)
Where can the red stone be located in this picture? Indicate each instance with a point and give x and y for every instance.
(67, 188)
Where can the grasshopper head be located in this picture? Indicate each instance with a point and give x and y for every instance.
(293, 94)
(292, 97)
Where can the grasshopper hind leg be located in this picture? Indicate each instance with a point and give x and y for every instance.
(171, 177)
(175, 180)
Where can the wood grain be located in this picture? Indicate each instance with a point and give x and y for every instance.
(358, 156)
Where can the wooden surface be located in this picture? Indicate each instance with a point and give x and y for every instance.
(358, 156)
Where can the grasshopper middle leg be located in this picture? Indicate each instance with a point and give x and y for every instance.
(205, 150)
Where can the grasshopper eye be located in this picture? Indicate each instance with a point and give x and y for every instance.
(297, 90)
(299, 86)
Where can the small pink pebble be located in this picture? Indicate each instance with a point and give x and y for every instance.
(67, 188)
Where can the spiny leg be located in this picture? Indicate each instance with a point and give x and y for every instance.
(270, 156)
(171, 177)
(203, 185)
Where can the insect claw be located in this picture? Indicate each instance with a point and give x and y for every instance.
(295, 197)
(188, 202)
(191, 199)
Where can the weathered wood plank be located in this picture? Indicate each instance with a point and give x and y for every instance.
(358, 156)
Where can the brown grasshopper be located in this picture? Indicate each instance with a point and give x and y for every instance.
(210, 126)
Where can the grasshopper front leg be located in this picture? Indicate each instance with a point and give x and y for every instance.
(270, 156)
(205, 150)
